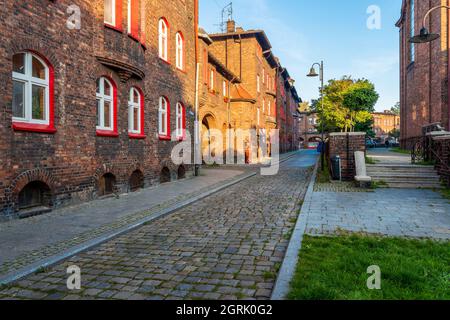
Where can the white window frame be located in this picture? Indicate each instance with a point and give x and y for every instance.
(179, 120)
(211, 79)
(258, 84)
(129, 17)
(163, 116)
(163, 31)
(258, 116)
(102, 97)
(131, 107)
(180, 51)
(264, 105)
(113, 13)
(269, 107)
(28, 80)
(225, 88)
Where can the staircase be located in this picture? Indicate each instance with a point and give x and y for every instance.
(406, 176)
(394, 170)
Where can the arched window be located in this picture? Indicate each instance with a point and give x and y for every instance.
(181, 121)
(32, 103)
(106, 95)
(164, 118)
(163, 39)
(180, 51)
(136, 113)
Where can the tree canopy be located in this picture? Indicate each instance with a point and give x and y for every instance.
(347, 105)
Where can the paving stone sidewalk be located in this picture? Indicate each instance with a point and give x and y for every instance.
(388, 212)
(227, 246)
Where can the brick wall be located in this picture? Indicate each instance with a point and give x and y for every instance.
(441, 146)
(345, 145)
(424, 81)
(71, 160)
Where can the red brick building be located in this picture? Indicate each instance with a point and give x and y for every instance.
(90, 111)
(424, 69)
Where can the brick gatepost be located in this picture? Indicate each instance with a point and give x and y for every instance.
(345, 145)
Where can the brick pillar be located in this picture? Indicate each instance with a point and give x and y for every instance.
(345, 145)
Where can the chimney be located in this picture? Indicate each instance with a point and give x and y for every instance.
(231, 26)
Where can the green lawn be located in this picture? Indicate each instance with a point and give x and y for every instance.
(336, 269)
(399, 150)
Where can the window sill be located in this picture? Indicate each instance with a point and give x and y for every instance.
(32, 127)
(137, 136)
(110, 26)
(182, 70)
(165, 61)
(164, 138)
(107, 133)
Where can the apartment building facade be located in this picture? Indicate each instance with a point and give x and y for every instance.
(385, 123)
(95, 95)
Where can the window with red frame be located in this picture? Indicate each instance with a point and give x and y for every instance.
(163, 30)
(179, 51)
(113, 14)
(106, 96)
(32, 101)
(181, 121)
(136, 113)
(164, 119)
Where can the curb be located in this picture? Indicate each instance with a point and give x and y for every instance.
(55, 259)
(287, 270)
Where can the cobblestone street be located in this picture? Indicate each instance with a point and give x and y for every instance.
(227, 246)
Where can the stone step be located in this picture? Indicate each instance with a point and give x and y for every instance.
(406, 180)
(406, 175)
(409, 185)
(390, 168)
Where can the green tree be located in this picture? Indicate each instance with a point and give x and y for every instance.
(347, 105)
(396, 109)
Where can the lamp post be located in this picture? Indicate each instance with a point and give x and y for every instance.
(425, 36)
(313, 73)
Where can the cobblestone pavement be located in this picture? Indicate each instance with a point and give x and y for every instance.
(23, 242)
(390, 212)
(227, 246)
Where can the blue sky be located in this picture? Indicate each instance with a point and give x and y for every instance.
(305, 31)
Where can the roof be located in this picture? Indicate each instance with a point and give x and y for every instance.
(202, 34)
(227, 73)
(402, 14)
(239, 94)
(259, 34)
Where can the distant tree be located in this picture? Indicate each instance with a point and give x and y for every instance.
(396, 109)
(395, 134)
(347, 104)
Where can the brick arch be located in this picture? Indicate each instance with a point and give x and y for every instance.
(167, 163)
(102, 71)
(133, 167)
(22, 44)
(23, 179)
(102, 170)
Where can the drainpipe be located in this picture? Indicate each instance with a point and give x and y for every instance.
(448, 65)
(197, 71)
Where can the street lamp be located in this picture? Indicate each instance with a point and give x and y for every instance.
(312, 74)
(425, 36)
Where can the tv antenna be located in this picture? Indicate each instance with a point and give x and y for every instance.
(227, 15)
